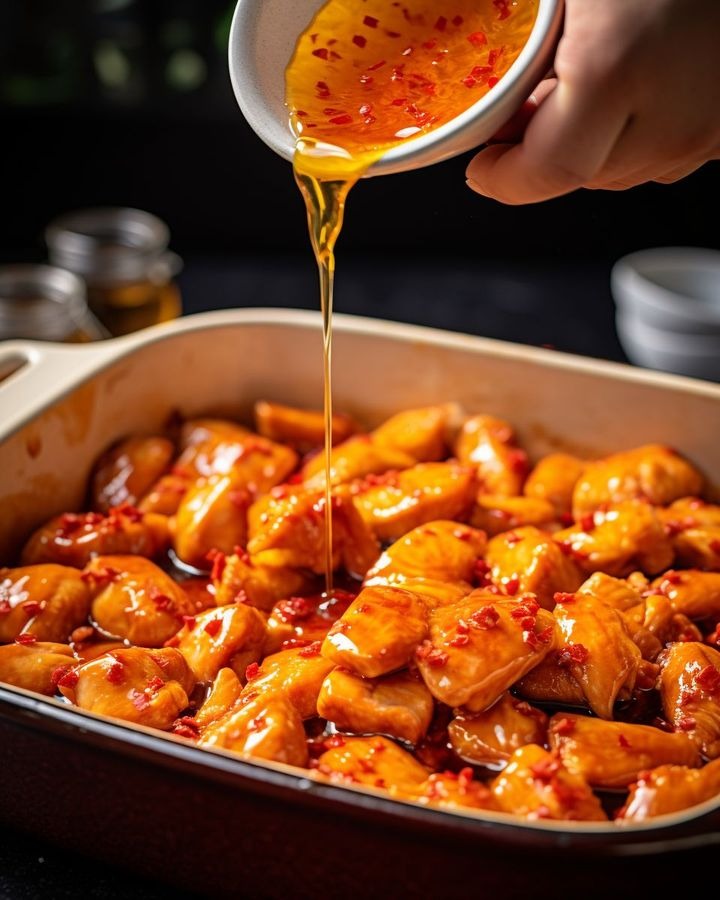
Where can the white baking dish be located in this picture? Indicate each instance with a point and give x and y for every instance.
(63, 405)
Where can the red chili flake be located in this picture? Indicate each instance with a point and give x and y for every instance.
(708, 679)
(564, 727)
(341, 120)
(460, 640)
(399, 75)
(126, 511)
(322, 88)
(186, 727)
(101, 575)
(546, 634)
(431, 655)
(587, 522)
(686, 723)
(162, 602)
(60, 673)
(512, 586)
(672, 577)
(480, 72)
(441, 24)
(32, 607)
(469, 81)
(68, 678)
(502, 8)
(251, 671)
(321, 53)
(190, 622)
(492, 81)
(428, 45)
(457, 21)
(545, 769)
(334, 742)
(219, 561)
(359, 40)
(623, 741)
(301, 114)
(378, 65)
(564, 597)
(294, 644)
(512, 538)
(311, 650)
(526, 606)
(477, 38)
(5, 607)
(485, 618)
(116, 673)
(399, 101)
(292, 609)
(573, 654)
(366, 766)
(155, 683)
(371, 21)
(462, 626)
(481, 573)
(213, 627)
(365, 109)
(26, 638)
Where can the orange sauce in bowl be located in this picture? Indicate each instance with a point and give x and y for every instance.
(366, 76)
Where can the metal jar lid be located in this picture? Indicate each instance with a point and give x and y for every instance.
(44, 303)
(112, 244)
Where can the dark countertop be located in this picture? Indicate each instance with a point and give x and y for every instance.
(568, 307)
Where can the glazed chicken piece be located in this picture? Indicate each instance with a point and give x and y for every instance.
(47, 601)
(135, 600)
(690, 691)
(375, 762)
(223, 694)
(396, 705)
(128, 470)
(433, 592)
(495, 514)
(490, 738)
(217, 447)
(489, 445)
(227, 636)
(303, 620)
(690, 512)
(694, 594)
(302, 429)
(481, 646)
(652, 473)
(266, 727)
(165, 495)
(669, 789)
(527, 560)
(616, 592)
(296, 675)
(357, 457)
(399, 502)
(421, 433)
(551, 683)
(35, 666)
(379, 633)
(287, 529)
(553, 481)
(148, 687)
(619, 540)
(441, 550)
(536, 785)
(238, 579)
(694, 528)
(448, 790)
(73, 539)
(612, 754)
(597, 649)
(212, 516)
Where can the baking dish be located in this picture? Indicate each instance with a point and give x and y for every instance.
(211, 821)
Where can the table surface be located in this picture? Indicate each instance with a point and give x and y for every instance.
(568, 307)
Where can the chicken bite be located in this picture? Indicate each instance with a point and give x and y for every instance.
(690, 692)
(669, 789)
(128, 470)
(374, 762)
(46, 600)
(35, 665)
(553, 481)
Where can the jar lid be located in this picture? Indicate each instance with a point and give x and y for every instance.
(109, 244)
(42, 303)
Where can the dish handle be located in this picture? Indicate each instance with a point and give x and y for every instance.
(34, 374)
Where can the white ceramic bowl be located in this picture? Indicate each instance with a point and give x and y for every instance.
(262, 39)
(672, 288)
(697, 355)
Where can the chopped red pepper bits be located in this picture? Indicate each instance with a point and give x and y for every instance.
(359, 41)
(623, 741)
(477, 38)
(370, 21)
(485, 618)
(115, 673)
(68, 678)
(26, 638)
(430, 654)
(573, 654)
(251, 671)
(219, 561)
(512, 586)
(310, 650)
(708, 679)
(213, 627)
(564, 727)
(564, 597)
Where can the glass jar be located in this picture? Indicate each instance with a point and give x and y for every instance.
(45, 303)
(122, 254)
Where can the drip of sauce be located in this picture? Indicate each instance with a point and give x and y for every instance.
(366, 77)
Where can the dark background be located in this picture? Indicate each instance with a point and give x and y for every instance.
(128, 102)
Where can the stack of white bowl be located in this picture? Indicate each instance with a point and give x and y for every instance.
(668, 309)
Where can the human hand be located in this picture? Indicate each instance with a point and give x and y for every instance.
(636, 98)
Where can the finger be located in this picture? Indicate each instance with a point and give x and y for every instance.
(565, 146)
(656, 173)
(514, 129)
